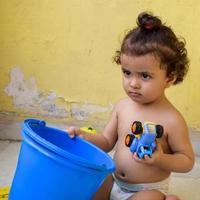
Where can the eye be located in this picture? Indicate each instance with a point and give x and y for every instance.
(145, 76)
(126, 72)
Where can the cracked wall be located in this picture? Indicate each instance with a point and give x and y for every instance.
(27, 97)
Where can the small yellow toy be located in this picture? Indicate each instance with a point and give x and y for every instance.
(4, 193)
(88, 130)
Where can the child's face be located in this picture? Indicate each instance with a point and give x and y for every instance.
(143, 79)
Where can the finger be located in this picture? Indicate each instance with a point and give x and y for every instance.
(147, 158)
(159, 147)
(136, 158)
(71, 131)
(81, 136)
(71, 135)
(135, 155)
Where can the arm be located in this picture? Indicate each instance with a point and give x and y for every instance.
(105, 140)
(182, 157)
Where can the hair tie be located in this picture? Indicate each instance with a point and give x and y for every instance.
(148, 22)
(151, 26)
(148, 26)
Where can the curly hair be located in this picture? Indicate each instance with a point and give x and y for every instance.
(152, 36)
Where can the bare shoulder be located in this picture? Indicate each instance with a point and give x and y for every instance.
(175, 117)
(122, 103)
(175, 122)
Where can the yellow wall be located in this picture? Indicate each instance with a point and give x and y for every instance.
(64, 51)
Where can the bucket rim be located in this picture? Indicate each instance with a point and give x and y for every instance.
(59, 151)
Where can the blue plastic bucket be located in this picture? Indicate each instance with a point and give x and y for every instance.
(52, 166)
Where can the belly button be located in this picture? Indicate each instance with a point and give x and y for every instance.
(122, 174)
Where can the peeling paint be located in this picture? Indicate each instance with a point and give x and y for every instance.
(84, 111)
(26, 96)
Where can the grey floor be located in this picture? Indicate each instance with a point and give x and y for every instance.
(186, 185)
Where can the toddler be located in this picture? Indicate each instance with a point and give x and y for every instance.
(152, 59)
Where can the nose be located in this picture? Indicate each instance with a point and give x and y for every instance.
(135, 82)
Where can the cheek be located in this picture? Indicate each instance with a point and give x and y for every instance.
(125, 84)
(153, 89)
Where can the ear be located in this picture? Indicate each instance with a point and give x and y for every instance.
(170, 80)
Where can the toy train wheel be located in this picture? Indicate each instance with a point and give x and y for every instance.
(129, 139)
(159, 131)
(137, 128)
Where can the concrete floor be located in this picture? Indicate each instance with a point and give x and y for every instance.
(186, 186)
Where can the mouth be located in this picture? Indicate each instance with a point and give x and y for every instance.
(134, 94)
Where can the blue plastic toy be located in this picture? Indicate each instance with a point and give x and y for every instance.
(142, 141)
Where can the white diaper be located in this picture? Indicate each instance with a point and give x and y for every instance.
(122, 190)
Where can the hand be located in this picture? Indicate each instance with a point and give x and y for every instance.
(150, 160)
(74, 131)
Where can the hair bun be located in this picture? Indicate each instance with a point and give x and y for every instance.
(148, 22)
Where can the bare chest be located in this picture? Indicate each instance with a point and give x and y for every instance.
(128, 116)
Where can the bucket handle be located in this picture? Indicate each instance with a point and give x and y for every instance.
(35, 122)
